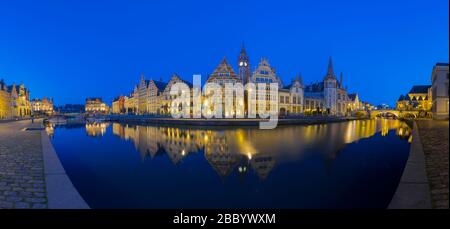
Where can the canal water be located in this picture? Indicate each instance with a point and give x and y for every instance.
(355, 164)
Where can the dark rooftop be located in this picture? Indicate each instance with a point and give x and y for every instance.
(160, 85)
(419, 89)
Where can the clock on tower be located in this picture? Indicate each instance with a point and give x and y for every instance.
(244, 66)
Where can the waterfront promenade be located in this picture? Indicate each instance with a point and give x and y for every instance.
(22, 182)
(31, 175)
(434, 138)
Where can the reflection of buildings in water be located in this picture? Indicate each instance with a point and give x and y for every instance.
(177, 143)
(223, 162)
(241, 149)
(220, 152)
(263, 163)
(96, 129)
(50, 129)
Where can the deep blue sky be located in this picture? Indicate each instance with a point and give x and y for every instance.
(72, 50)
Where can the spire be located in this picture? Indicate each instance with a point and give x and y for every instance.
(330, 67)
(330, 72)
(341, 80)
(300, 78)
(243, 52)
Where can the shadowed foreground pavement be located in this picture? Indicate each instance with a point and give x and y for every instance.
(434, 137)
(22, 183)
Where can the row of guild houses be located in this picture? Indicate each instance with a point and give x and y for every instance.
(152, 97)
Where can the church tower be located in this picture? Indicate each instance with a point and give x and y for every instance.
(244, 66)
(330, 89)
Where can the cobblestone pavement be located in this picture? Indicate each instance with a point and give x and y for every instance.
(434, 137)
(22, 182)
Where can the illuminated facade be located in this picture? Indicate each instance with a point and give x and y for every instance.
(418, 99)
(224, 74)
(165, 97)
(151, 97)
(14, 101)
(354, 103)
(118, 105)
(264, 74)
(4, 101)
(96, 106)
(291, 98)
(42, 106)
(328, 96)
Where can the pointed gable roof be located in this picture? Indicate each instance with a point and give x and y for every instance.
(224, 67)
(223, 70)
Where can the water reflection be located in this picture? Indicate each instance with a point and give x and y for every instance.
(242, 149)
(96, 129)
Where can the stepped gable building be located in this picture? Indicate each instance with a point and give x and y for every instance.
(14, 101)
(290, 97)
(20, 101)
(224, 74)
(148, 96)
(264, 74)
(166, 98)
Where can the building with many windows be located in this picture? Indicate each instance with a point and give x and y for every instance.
(265, 75)
(329, 96)
(152, 97)
(14, 101)
(418, 99)
(20, 101)
(42, 106)
(222, 75)
(118, 105)
(96, 106)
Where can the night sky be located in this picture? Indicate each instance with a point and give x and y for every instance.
(71, 50)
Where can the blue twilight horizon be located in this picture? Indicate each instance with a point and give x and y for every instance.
(70, 50)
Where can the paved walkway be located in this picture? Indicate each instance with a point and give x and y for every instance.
(413, 190)
(434, 137)
(22, 183)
